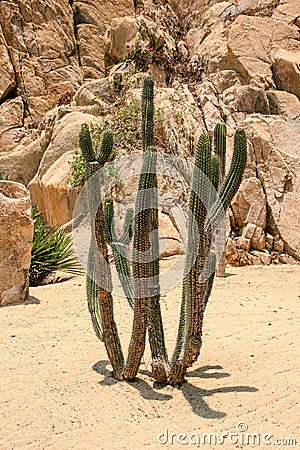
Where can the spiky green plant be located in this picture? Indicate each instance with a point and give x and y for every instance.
(197, 283)
(141, 282)
(51, 251)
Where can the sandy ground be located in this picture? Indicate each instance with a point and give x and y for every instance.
(57, 393)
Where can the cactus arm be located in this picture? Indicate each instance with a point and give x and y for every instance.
(85, 143)
(119, 249)
(215, 171)
(127, 227)
(92, 294)
(232, 180)
(160, 363)
(103, 312)
(91, 285)
(210, 275)
(110, 332)
(148, 113)
(140, 265)
(155, 327)
(220, 133)
(106, 147)
(190, 323)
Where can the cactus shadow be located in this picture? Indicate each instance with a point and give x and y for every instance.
(195, 396)
(146, 391)
(204, 372)
(192, 393)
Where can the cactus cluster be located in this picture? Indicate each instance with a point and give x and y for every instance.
(140, 279)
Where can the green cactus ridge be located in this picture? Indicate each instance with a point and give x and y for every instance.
(127, 227)
(105, 148)
(92, 294)
(200, 190)
(232, 180)
(85, 143)
(119, 250)
(148, 113)
(215, 169)
(220, 133)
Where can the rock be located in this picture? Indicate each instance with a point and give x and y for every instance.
(249, 204)
(22, 164)
(278, 246)
(7, 75)
(258, 240)
(246, 46)
(128, 35)
(226, 79)
(182, 49)
(42, 51)
(263, 258)
(123, 38)
(287, 11)
(251, 99)
(16, 234)
(270, 240)
(286, 69)
(169, 238)
(251, 43)
(284, 104)
(244, 243)
(50, 189)
(11, 124)
(96, 92)
(274, 152)
(92, 19)
(287, 259)
(236, 256)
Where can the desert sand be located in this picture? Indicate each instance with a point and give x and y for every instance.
(57, 392)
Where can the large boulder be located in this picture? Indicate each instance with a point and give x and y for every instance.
(7, 75)
(43, 53)
(50, 188)
(16, 234)
(92, 19)
(286, 69)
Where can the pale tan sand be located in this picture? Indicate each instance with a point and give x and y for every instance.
(57, 393)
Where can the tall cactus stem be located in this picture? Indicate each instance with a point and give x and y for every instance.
(119, 248)
(85, 143)
(140, 265)
(106, 148)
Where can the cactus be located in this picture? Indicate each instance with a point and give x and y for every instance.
(147, 294)
(100, 300)
(232, 180)
(105, 148)
(197, 283)
(141, 282)
(119, 247)
(85, 143)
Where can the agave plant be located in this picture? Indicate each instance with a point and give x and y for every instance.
(51, 250)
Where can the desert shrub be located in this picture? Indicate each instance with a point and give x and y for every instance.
(51, 250)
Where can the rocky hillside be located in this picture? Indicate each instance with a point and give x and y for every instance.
(69, 62)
